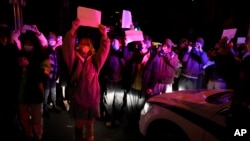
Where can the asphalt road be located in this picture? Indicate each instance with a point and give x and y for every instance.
(60, 127)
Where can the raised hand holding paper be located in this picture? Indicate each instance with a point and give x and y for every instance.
(241, 40)
(126, 19)
(134, 35)
(229, 33)
(89, 17)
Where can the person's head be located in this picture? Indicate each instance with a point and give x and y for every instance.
(147, 41)
(30, 42)
(52, 39)
(199, 43)
(167, 45)
(116, 44)
(230, 44)
(243, 48)
(85, 46)
(183, 43)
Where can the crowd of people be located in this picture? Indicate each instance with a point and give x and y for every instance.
(110, 80)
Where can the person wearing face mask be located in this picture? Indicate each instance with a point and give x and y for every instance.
(114, 93)
(84, 65)
(139, 64)
(50, 85)
(33, 70)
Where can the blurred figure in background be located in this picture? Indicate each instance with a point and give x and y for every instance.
(213, 79)
(50, 85)
(34, 69)
(136, 95)
(227, 64)
(240, 107)
(193, 61)
(180, 50)
(8, 105)
(114, 94)
(63, 75)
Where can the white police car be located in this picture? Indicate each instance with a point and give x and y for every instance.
(189, 115)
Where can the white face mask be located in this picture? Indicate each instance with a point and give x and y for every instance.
(28, 47)
(52, 43)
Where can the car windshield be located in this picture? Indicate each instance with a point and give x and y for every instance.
(220, 98)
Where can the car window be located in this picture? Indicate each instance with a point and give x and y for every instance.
(220, 98)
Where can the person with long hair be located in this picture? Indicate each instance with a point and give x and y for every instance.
(84, 65)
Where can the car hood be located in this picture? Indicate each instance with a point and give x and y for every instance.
(191, 100)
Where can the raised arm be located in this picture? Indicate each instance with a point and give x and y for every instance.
(40, 36)
(101, 55)
(16, 33)
(68, 46)
(15, 38)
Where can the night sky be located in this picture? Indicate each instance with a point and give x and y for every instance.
(152, 17)
(158, 18)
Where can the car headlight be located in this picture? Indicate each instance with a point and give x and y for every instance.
(147, 106)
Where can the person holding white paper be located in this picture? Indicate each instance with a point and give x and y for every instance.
(138, 56)
(84, 65)
(226, 63)
(214, 80)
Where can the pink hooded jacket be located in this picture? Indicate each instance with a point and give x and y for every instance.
(87, 92)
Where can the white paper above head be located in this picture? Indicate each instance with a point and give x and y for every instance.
(241, 40)
(89, 17)
(126, 19)
(133, 35)
(229, 33)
